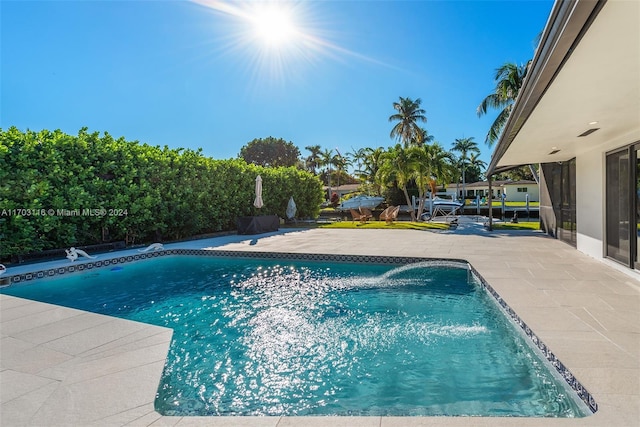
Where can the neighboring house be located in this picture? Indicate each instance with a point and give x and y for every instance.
(342, 190)
(578, 115)
(449, 190)
(515, 191)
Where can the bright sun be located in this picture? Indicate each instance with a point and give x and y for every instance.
(274, 26)
(280, 37)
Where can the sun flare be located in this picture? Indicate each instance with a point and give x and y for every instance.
(274, 26)
(281, 38)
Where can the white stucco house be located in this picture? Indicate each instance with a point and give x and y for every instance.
(518, 191)
(514, 191)
(578, 116)
(341, 190)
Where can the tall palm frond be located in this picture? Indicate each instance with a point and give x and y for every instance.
(508, 78)
(326, 158)
(357, 157)
(422, 137)
(341, 163)
(465, 146)
(370, 166)
(313, 160)
(398, 165)
(408, 115)
(475, 161)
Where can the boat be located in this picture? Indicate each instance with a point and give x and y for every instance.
(363, 201)
(441, 206)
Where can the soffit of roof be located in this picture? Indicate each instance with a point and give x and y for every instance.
(599, 82)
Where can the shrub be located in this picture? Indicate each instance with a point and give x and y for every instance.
(58, 190)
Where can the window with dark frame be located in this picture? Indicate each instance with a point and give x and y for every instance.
(622, 216)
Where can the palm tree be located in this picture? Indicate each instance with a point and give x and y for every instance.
(465, 146)
(436, 165)
(408, 115)
(340, 162)
(422, 137)
(314, 159)
(476, 163)
(326, 158)
(422, 174)
(358, 157)
(441, 164)
(509, 78)
(398, 165)
(370, 166)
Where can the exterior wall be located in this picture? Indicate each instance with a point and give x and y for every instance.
(484, 191)
(590, 200)
(511, 190)
(472, 191)
(450, 189)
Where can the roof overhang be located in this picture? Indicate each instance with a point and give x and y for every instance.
(585, 75)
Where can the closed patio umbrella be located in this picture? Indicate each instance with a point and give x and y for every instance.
(291, 208)
(258, 203)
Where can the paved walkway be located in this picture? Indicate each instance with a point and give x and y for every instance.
(61, 366)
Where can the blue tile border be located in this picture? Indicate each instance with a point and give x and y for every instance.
(562, 370)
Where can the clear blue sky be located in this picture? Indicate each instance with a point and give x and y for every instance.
(187, 74)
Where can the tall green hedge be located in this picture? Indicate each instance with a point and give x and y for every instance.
(58, 190)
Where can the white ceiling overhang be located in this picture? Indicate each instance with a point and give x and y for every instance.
(588, 71)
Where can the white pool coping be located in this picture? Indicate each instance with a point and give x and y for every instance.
(61, 366)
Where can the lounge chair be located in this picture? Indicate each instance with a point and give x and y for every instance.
(359, 215)
(390, 214)
(355, 215)
(366, 214)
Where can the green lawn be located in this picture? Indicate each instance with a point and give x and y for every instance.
(522, 204)
(397, 225)
(522, 225)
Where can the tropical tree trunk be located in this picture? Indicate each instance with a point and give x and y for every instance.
(464, 190)
(329, 182)
(421, 201)
(411, 211)
(535, 174)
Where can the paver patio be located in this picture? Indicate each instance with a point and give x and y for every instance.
(61, 366)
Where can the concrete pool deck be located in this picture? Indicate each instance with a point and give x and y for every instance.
(65, 367)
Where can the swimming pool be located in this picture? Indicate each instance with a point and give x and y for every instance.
(280, 337)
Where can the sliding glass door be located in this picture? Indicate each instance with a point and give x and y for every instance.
(617, 206)
(622, 215)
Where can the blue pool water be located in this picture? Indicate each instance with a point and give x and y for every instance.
(264, 337)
